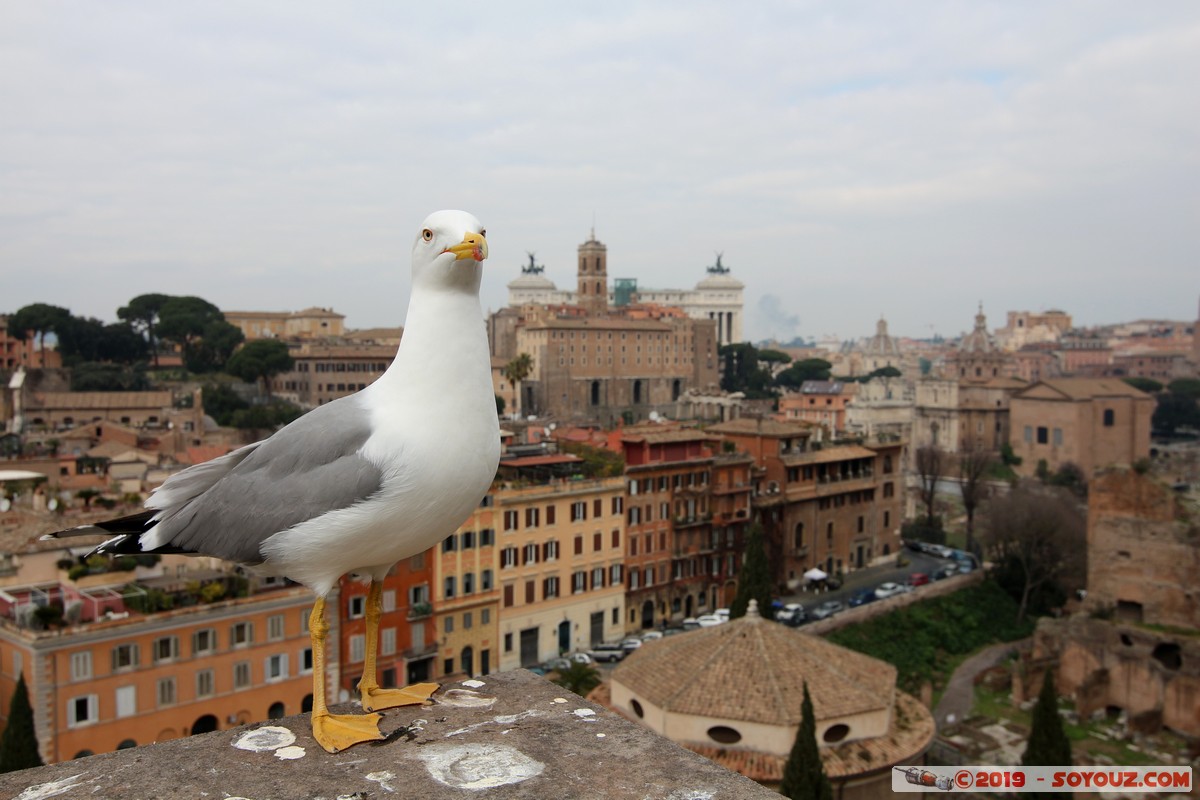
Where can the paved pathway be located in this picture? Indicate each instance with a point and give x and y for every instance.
(955, 703)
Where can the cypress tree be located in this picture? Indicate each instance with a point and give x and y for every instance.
(18, 744)
(1048, 745)
(754, 579)
(804, 774)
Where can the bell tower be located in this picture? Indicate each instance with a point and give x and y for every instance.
(593, 277)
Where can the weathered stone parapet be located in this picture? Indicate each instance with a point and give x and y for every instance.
(509, 735)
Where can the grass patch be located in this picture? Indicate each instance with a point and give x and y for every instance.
(926, 640)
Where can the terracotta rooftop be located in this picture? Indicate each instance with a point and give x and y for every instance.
(79, 400)
(768, 427)
(827, 454)
(1084, 388)
(755, 670)
(667, 435)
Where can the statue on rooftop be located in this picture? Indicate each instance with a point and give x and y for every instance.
(532, 268)
(718, 268)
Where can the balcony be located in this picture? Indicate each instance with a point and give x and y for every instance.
(562, 746)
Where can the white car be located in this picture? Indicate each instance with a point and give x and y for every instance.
(723, 613)
(631, 644)
(650, 636)
(889, 589)
(708, 620)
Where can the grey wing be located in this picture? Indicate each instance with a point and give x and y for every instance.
(307, 469)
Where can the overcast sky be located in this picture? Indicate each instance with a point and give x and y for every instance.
(850, 160)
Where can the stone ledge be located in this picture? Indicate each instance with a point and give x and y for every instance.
(514, 735)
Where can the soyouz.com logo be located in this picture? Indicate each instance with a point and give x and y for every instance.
(1041, 779)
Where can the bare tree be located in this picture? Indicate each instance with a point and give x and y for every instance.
(973, 465)
(1040, 532)
(929, 464)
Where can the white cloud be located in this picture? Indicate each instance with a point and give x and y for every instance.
(848, 160)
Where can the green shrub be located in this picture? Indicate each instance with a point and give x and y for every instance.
(922, 640)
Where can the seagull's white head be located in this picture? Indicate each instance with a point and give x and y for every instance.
(449, 251)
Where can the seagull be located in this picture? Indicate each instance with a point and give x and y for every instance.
(357, 484)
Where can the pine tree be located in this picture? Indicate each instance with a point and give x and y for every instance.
(1048, 744)
(803, 774)
(18, 744)
(754, 579)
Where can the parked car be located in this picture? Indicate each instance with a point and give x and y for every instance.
(690, 624)
(723, 614)
(631, 643)
(827, 609)
(945, 571)
(650, 636)
(791, 614)
(608, 652)
(862, 597)
(708, 620)
(559, 664)
(940, 550)
(918, 579)
(888, 589)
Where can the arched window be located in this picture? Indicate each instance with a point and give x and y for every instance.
(835, 733)
(275, 711)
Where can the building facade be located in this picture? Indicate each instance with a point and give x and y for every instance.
(1090, 422)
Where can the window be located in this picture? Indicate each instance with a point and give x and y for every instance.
(508, 642)
(578, 511)
(83, 710)
(550, 550)
(1058, 437)
(387, 641)
(389, 601)
(549, 515)
(615, 574)
(468, 540)
(616, 537)
(597, 542)
(487, 537)
(597, 507)
(508, 596)
(450, 543)
(579, 582)
(530, 592)
(1028, 434)
(204, 683)
(306, 661)
(241, 675)
(531, 517)
(468, 620)
(511, 520)
(358, 644)
(485, 616)
(358, 606)
(530, 556)
(508, 557)
(449, 586)
(81, 665)
(485, 580)
(277, 667)
(124, 656)
(798, 537)
(618, 505)
(550, 588)
(166, 691)
(1109, 417)
(1043, 435)
(578, 545)
(241, 634)
(275, 627)
(469, 583)
(166, 648)
(126, 701)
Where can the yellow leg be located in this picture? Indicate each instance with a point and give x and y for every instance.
(368, 686)
(334, 732)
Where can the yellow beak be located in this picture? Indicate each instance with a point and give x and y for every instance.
(473, 246)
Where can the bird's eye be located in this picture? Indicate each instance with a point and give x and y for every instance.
(483, 232)
(427, 235)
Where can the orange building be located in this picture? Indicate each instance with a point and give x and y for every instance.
(466, 617)
(131, 678)
(819, 403)
(407, 646)
(687, 514)
(833, 507)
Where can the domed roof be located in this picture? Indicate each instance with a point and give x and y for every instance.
(881, 344)
(978, 340)
(720, 281)
(752, 669)
(532, 280)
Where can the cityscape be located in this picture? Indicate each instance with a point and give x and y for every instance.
(643, 441)
(846, 376)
